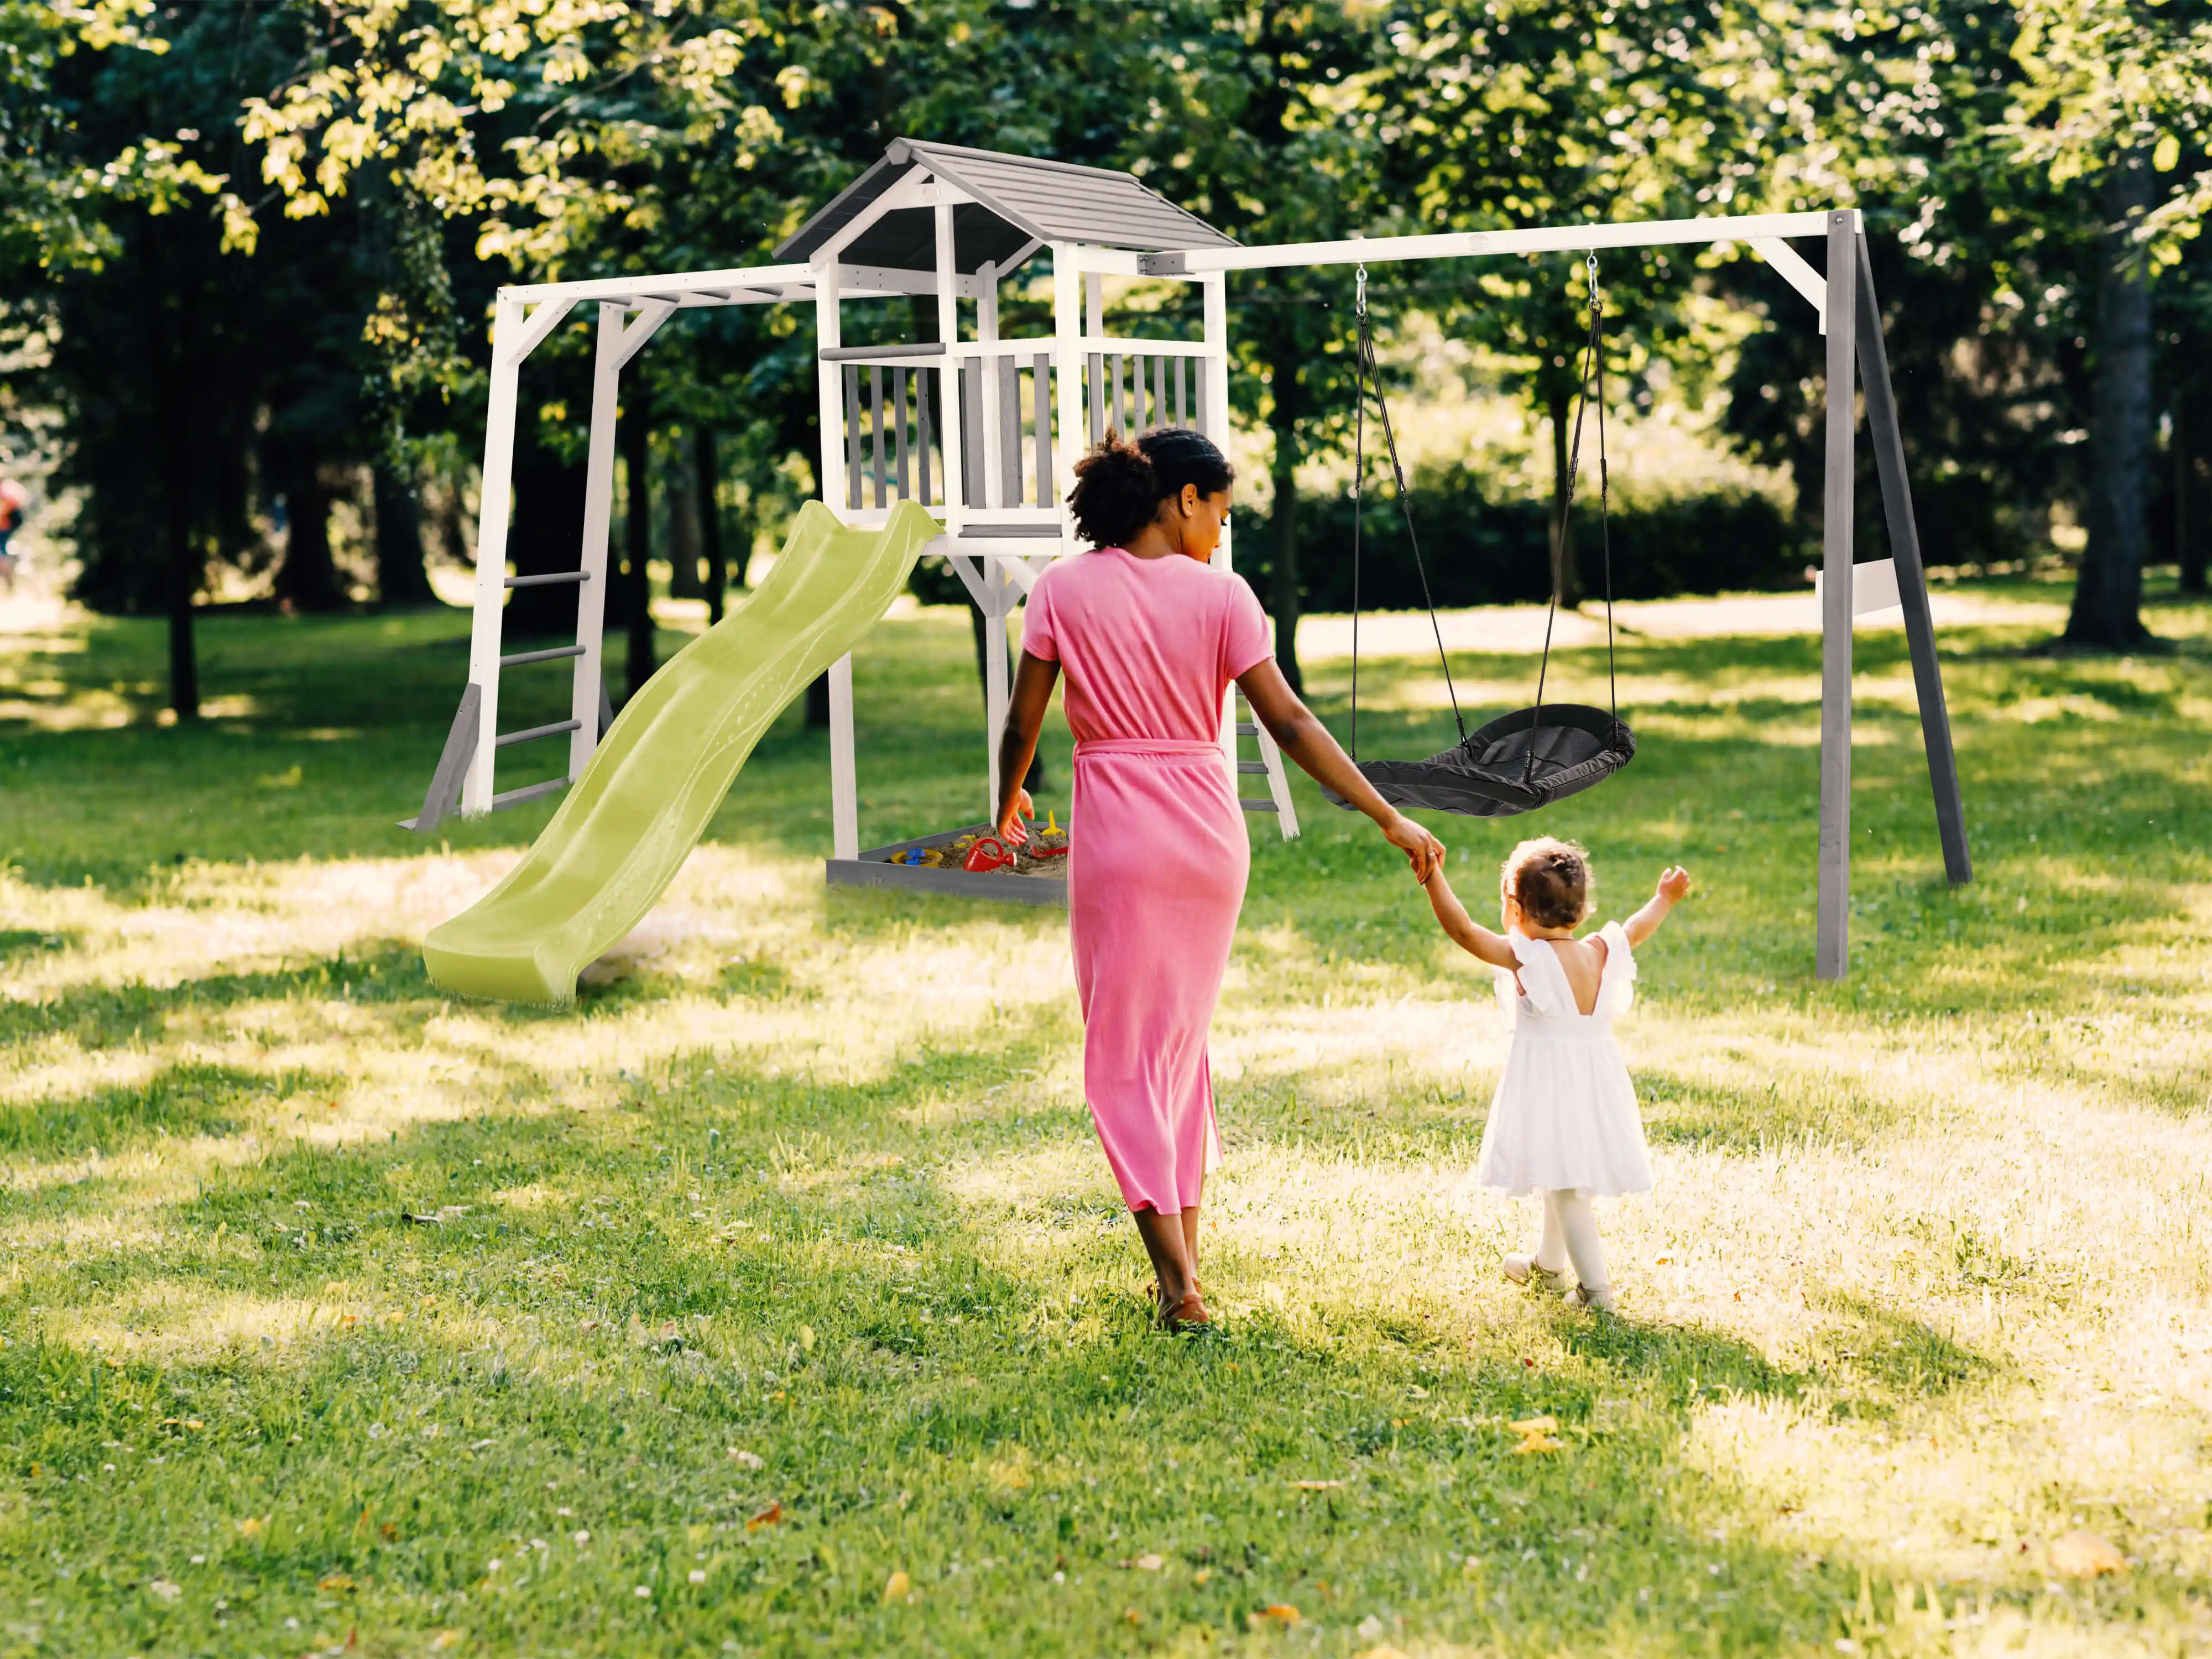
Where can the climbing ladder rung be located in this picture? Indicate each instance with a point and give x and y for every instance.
(536, 731)
(1246, 729)
(1261, 805)
(558, 651)
(1259, 767)
(556, 577)
(516, 797)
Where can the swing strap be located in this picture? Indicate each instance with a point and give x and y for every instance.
(1364, 369)
(1593, 374)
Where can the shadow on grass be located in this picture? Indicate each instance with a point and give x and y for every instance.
(1702, 1116)
(187, 1099)
(103, 1016)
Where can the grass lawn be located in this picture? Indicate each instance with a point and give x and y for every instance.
(777, 1299)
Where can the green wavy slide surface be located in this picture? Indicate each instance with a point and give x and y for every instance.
(630, 821)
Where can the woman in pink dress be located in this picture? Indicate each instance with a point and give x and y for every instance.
(1150, 638)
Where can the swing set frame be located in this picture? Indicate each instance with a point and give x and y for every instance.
(953, 223)
(1850, 319)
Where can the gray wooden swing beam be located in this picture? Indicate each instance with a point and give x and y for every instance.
(1851, 319)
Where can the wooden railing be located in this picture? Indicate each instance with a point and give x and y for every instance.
(1008, 436)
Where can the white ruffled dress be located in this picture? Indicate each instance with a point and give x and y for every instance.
(1565, 1115)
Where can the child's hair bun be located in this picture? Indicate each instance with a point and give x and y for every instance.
(1116, 492)
(1550, 879)
(1120, 484)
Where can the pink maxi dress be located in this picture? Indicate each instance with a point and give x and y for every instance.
(1157, 855)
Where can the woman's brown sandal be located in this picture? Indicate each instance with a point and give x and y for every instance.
(1187, 1315)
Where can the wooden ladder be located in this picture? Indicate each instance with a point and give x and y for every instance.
(1269, 766)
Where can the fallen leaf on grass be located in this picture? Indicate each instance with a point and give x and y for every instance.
(748, 1460)
(896, 1587)
(446, 1639)
(766, 1517)
(1535, 1426)
(1317, 1485)
(1145, 1563)
(168, 1589)
(1537, 1443)
(251, 1527)
(336, 1580)
(1277, 1613)
(2084, 1555)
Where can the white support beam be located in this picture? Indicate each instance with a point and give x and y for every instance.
(829, 391)
(598, 512)
(1791, 265)
(651, 315)
(494, 506)
(1068, 287)
(986, 365)
(549, 315)
(948, 382)
(626, 288)
(844, 777)
(1463, 245)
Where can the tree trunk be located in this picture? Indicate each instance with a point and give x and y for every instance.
(680, 491)
(1565, 577)
(708, 473)
(2189, 538)
(2108, 596)
(637, 542)
(1283, 588)
(185, 573)
(307, 579)
(400, 577)
(544, 537)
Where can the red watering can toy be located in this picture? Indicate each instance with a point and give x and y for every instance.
(988, 853)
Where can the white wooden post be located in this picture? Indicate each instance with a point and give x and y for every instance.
(1214, 289)
(1001, 590)
(494, 510)
(948, 382)
(1094, 303)
(844, 779)
(1068, 376)
(598, 508)
(987, 334)
(1832, 907)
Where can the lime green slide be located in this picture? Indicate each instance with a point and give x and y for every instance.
(630, 821)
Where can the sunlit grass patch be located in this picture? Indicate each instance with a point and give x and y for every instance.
(784, 1269)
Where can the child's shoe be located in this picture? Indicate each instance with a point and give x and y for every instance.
(1521, 1268)
(1603, 1300)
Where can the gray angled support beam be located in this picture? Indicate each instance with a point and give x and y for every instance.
(1832, 907)
(443, 798)
(1888, 441)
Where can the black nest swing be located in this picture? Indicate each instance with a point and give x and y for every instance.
(1532, 756)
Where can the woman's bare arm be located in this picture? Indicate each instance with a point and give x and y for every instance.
(1033, 682)
(1466, 932)
(1301, 736)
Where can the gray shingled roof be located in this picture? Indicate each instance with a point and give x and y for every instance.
(1018, 199)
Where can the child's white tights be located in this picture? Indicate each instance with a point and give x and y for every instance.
(1571, 1235)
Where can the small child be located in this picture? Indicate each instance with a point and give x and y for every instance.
(1564, 1122)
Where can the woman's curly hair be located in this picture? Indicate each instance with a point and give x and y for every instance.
(1119, 485)
(1550, 879)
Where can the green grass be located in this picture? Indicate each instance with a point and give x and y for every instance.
(337, 1311)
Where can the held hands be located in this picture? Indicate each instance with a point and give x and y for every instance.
(1673, 883)
(1423, 850)
(1010, 826)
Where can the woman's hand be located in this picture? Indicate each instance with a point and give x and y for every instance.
(1009, 825)
(1422, 850)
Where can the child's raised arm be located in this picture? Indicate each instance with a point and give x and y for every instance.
(1467, 933)
(1672, 884)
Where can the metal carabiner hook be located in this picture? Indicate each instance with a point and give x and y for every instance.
(1359, 292)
